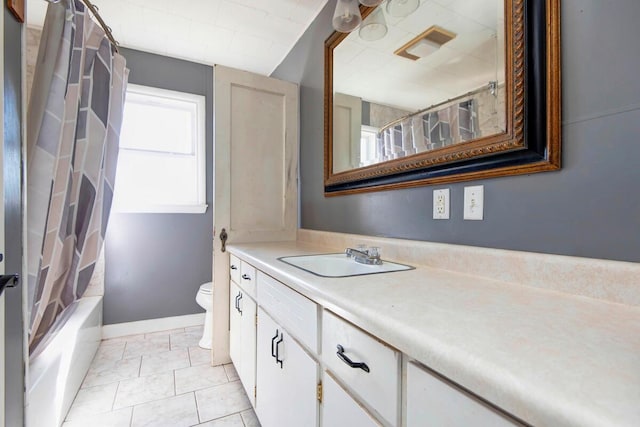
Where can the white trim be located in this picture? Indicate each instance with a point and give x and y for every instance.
(151, 325)
(189, 209)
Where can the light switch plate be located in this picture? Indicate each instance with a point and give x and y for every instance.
(441, 203)
(474, 202)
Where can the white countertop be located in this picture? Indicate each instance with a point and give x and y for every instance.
(549, 358)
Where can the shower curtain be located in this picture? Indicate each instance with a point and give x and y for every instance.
(74, 120)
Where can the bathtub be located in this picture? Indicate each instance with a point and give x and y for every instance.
(56, 372)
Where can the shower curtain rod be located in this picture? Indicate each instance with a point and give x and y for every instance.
(491, 86)
(94, 10)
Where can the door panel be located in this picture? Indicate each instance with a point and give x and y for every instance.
(255, 174)
(261, 161)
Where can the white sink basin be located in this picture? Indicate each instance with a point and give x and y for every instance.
(338, 265)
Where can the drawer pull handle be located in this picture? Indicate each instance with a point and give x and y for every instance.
(233, 267)
(246, 277)
(273, 343)
(350, 362)
(238, 302)
(240, 299)
(278, 360)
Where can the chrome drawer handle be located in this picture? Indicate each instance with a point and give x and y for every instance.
(350, 362)
(246, 277)
(233, 267)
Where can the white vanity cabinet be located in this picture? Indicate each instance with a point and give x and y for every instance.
(304, 366)
(432, 401)
(242, 335)
(287, 378)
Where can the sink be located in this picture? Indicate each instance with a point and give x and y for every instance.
(339, 265)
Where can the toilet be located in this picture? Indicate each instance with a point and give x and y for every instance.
(205, 300)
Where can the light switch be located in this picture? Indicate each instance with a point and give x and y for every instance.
(441, 203)
(474, 202)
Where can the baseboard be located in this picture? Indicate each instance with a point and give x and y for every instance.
(151, 325)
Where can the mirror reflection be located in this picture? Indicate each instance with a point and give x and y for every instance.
(409, 81)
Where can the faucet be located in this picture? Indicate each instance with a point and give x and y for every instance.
(364, 256)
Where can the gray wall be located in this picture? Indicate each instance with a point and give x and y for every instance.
(11, 169)
(154, 263)
(590, 208)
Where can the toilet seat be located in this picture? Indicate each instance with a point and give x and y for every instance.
(206, 288)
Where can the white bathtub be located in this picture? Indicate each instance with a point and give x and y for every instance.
(56, 372)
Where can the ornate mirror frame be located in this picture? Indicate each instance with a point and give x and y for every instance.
(531, 142)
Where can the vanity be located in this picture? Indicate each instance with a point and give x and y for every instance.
(432, 345)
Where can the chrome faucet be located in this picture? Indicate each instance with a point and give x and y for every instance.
(364, 256)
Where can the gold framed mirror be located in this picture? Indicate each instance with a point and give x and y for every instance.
(449, 93)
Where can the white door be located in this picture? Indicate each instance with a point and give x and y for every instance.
(248, 345)
(339, 409)
(235, 327)
(286, 377)
(347, 132)
(255, 174)
(2, 412)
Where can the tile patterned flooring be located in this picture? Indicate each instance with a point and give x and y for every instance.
(162, 379)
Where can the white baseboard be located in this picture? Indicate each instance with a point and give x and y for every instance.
(151, 325)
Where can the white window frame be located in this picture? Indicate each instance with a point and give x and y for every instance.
(199, 103)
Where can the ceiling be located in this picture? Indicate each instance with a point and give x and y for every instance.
(252, 35)
(371, 71)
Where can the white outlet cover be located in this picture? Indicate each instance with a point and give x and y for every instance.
(474, 203)
(441, 203)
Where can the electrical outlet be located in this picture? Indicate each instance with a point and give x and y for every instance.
(441, 203)
(474, 202)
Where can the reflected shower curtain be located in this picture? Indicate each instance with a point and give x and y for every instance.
(74, 122)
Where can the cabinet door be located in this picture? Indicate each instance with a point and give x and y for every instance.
(339, 409)
(235, 326)
(286, 378)
(434, 402)
(247, 370)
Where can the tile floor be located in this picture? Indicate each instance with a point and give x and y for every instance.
(159, 379)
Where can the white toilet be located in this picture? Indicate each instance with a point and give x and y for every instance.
(204, 298)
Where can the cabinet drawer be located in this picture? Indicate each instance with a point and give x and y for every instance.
(234, 268)
(434, 402)
(380, 387)
(247, 278)
(296, 313)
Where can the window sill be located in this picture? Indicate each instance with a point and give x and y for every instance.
(162, 209)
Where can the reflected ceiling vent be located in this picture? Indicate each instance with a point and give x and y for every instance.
(426, 43)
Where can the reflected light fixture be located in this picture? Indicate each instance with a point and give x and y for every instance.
(426, 43)
(346, 17)
(402, 8)
(374, 26)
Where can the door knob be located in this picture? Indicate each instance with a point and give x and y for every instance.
(223, 239)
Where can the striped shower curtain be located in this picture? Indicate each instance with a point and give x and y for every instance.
(74, 120)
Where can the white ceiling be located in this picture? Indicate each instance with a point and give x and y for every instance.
(252, 35)
(370, 70)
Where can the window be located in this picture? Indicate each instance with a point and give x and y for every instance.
(161, 163)
(368, 145)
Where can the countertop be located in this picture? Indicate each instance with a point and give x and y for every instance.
(549, 358)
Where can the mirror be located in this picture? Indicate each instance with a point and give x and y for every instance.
(453, 91)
